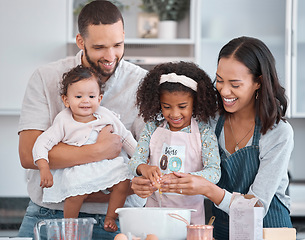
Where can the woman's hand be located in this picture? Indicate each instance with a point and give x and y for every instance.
(189, 184)
(182, 183)
(142, 187)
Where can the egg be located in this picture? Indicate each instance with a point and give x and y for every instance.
(151, 237)
(120, 236)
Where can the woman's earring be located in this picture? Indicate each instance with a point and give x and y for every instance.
(256, 95)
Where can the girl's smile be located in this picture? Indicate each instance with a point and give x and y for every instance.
(177, 109)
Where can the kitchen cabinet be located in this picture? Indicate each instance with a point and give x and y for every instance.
(148, 52)
(223, 20)
(297, 32)
(278, 23)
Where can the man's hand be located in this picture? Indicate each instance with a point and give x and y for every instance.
(110, 142)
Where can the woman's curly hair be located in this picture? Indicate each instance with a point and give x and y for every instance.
(148, 93)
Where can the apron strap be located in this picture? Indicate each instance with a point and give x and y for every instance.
(194, 126)
(256, 134)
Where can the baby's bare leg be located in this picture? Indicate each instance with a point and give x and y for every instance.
(72, 205)
(117, 199)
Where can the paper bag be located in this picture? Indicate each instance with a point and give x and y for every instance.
(246, 218)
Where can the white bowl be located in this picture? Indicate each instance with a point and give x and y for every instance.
(154, 220)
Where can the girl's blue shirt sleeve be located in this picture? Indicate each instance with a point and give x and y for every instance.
(141, 154)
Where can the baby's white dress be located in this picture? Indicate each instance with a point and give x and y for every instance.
(90, 177)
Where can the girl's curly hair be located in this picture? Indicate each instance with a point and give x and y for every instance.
(148, 93)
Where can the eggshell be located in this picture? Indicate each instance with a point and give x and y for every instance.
(157, 185)
(121, 236)
(151, 237)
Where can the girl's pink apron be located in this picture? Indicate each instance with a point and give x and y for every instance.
(177, 152)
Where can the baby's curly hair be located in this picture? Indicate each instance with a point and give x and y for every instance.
(77, 74)
(148, 93)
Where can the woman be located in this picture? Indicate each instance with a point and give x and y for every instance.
(255, 141)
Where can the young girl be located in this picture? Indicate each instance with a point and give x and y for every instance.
(176, 100)
(77, 125)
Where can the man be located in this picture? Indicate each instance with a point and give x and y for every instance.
(101, 40)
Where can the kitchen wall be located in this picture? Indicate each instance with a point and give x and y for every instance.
(39, 42)
(12, 175)
(33, 32)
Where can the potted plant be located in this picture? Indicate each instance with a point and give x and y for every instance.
(79, 7)
(169, 12)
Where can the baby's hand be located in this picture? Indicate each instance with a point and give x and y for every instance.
(46, 178)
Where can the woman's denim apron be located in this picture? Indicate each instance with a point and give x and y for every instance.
(237, 174)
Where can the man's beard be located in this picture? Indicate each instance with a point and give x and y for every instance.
(97, 68)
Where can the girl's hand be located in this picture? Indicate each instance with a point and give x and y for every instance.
(152, 173)
(46, 178)
(142, 187)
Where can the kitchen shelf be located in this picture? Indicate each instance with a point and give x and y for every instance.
(178, 41)
(153, 41)
(10, 112)
(156, 60)
(151, 51)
